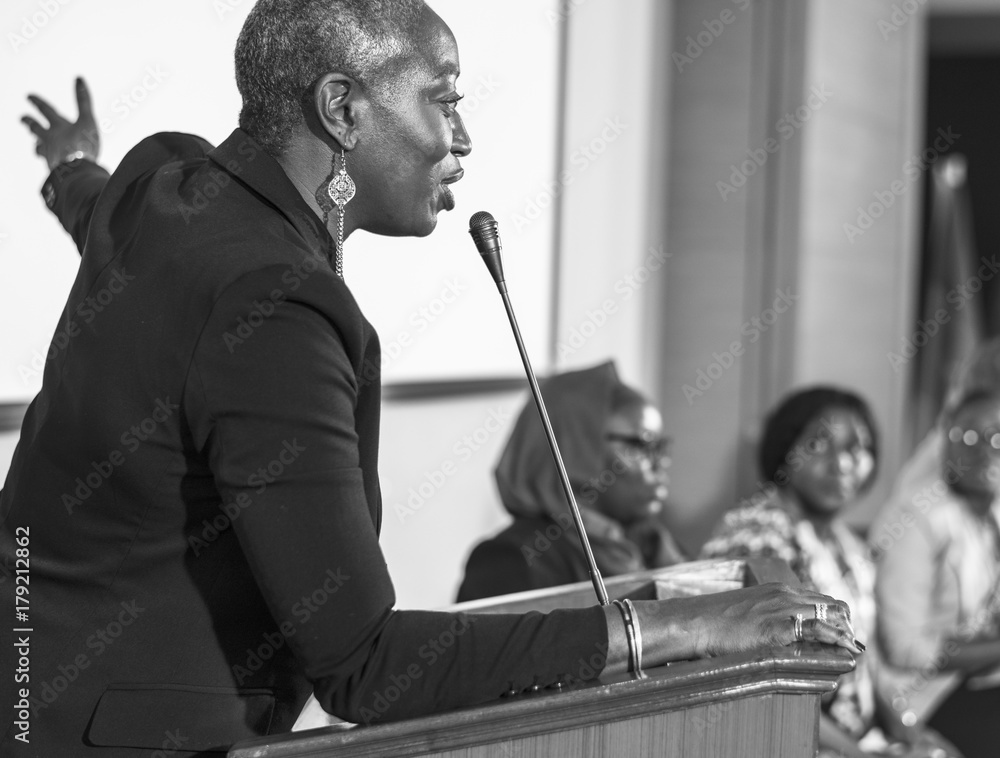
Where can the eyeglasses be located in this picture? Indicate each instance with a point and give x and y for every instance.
(973, 437)
(653, 448)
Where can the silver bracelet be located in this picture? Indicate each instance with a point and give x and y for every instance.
(638, 636)
(631, 628)
(74, 156)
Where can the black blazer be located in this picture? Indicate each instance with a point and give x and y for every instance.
(198, 483)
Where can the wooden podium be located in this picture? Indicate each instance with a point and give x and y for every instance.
(763, 704)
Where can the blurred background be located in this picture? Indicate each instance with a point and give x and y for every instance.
(730, 198)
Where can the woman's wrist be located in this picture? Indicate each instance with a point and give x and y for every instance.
(69, 157)
(670, 632)
(617, 661)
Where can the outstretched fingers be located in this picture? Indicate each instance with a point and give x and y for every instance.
(34, 127)
(83, 101)
(46, 110)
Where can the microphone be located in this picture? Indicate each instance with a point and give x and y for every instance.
(483, 228)
(486, 235)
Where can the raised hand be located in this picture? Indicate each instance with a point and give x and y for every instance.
(63, 138)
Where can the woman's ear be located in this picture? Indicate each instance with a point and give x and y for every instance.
(336, 98)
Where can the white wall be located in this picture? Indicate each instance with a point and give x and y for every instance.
(613, 255)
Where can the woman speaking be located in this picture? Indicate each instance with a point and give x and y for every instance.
(196, 481)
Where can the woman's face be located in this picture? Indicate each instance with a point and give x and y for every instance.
(973, 448)
(830, 462)
(636, 464)
(408, 150)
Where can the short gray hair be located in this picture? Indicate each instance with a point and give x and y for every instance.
(286, 45)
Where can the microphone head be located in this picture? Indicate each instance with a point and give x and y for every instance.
(485, 233)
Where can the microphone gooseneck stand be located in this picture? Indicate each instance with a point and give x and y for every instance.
(485, 233)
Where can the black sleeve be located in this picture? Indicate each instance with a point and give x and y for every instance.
(287, 393)
(71, 192)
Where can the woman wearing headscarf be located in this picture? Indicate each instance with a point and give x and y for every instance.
(818, 454)
(938, 585)
(616, 455)
(196, 484)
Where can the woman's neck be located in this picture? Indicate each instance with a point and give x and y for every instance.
(822, 522)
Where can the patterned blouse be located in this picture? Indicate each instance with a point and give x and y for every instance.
(837, 565)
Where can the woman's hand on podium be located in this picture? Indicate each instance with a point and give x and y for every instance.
(65, 140)
(732, 622)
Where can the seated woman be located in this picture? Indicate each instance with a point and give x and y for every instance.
(819, 454)
(612, 443)
(938, 584)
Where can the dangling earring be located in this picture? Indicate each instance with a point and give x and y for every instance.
(341, 190)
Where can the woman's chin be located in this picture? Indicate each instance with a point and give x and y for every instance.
(425, 227)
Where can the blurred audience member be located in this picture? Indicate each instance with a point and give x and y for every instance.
(819, 454)
(938, 583)
(616, 455)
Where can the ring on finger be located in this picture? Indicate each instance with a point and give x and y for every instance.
(797, 627)
(820, 609)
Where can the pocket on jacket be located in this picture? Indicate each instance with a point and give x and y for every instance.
(179, 717)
